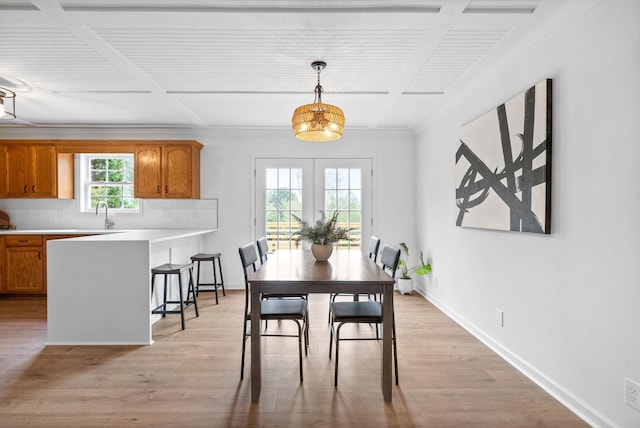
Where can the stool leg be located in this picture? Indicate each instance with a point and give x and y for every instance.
(198, 283)
(215, 279)
(192, 288)
(221, 279)
(164, 306)
(181, 300)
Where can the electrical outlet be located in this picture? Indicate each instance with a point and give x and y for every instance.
(632, 394)
(500, 317)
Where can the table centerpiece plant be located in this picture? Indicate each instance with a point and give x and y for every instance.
(405, 281)
(322, 234)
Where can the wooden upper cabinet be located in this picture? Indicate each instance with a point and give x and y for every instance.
(167, 171)
(18, 170)
(3, 171)
(31, 171)
(148, 172)
(44, 177)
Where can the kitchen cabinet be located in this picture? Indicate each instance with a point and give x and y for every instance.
(24, 267)
(36, 171)
(3, 171)
(23, 261)
(169, 171)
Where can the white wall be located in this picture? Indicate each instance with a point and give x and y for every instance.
(227, 175)
(570, 299)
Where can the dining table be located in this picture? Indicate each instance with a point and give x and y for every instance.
(298, 272)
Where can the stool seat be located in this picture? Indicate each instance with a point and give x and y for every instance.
(202, 257)
(175, 269)
(171, 269)
(217, 270)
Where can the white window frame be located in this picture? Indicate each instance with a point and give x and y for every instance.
(84, 161)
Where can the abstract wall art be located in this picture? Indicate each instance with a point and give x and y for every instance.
(503, 165)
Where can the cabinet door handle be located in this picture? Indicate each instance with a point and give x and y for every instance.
(25, 188)
(33, 188)
(158, 189)
(39, 257)
(23, 240)
(166, 188)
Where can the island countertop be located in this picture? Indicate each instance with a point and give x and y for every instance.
(114, 235)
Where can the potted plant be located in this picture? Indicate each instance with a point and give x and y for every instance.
(405, 282)
(321, 235)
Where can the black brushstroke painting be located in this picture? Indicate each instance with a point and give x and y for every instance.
(503, 165)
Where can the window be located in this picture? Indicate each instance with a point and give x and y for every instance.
(108, 178)
(283, 198)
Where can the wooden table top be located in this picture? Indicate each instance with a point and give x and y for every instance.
(299, 266)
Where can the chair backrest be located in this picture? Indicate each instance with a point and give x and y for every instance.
(263, 249)
(248, 257)
(389, 258)
(374, 246)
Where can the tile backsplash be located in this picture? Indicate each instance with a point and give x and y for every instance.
(154, 214)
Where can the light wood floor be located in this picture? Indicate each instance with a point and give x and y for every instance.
(191, 378)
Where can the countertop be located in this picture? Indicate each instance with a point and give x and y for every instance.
(114, 235)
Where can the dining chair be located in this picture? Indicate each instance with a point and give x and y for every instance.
(374, 245)
(362, 312)
(263, 249)
(271, 309)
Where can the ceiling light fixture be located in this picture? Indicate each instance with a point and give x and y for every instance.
(318, 121)
(7, 104)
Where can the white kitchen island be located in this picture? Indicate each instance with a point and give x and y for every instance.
(99, 287)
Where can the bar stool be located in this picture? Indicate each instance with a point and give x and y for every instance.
(175, 269)
(212, 257)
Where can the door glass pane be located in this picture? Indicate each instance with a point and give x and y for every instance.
(283, 197)
(342, 189)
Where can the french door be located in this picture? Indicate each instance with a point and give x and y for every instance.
(290, 188)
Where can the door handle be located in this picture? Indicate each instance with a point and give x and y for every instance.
(158, 189)
(39, 257)
(25, 188)
(166, 188)
(33, 188)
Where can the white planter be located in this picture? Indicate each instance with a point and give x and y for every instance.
(405, 285)
(321, 252)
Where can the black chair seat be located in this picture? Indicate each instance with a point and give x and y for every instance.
(365, 312)
(277, 309)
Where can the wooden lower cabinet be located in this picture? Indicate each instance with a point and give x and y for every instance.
(24, 266)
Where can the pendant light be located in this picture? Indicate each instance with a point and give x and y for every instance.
(7, 104)
(318, 121)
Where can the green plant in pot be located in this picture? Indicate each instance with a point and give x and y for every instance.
(322, 234)
(405, 281)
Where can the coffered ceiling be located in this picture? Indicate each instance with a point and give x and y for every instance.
(246, 63)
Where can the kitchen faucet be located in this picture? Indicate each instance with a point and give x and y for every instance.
(107, 223)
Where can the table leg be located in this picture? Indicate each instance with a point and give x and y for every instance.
(256, 359)
(387, 360)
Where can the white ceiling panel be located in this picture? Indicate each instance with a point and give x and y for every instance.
(246, 63)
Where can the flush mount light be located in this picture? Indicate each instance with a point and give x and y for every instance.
(318, 121)
(7, 104)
